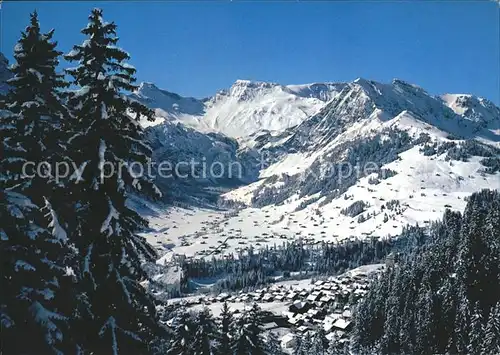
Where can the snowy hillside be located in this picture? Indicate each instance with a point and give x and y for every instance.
(366, 122)
(375, 158)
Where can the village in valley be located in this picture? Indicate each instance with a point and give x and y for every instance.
(298, 307)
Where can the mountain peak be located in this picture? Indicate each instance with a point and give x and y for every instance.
(254, 83)
(361, 81)
(147, 85)
(151, 91)
(408, 87)
(474, 108)
(247, 89)
(171, 105)
(322, 91)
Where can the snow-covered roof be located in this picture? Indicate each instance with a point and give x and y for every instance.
(341, 323)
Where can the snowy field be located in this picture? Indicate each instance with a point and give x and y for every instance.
(424, 186)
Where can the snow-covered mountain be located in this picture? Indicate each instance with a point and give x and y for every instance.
(169, 106)
(372, 146)
(247, 107)
(364, 159)
(474, 108)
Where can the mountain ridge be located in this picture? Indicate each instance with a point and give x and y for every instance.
(249, 107)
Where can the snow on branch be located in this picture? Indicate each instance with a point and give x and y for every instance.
(113, 214)
(110, 326)
(57, 230)
(102, 153)
(46, 319)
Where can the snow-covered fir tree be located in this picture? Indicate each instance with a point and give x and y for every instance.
(476, 331)
(204, 333)
(336, 348)
(248, 336)
(413, 309)
(491, 341)
(297, 345)
(34, 113)
(226, 330)
(37, 301)
(184, 331)
(319, 342)
(103, 228)
(273, 345)
(305, 344)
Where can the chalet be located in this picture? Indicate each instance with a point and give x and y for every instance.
(328, 327)
(342, 324)
(312, 312)
(313, 297)
(268, 297)
(339, 334)
(299, 307)
(269, 326)
(347, 313)
(222, 297)
(302, 329)
(245, 298)
(331, 318)
(257, 296)
(330, 337)
(288, 341)
(296, 321)
(279, 297)
(326, 299)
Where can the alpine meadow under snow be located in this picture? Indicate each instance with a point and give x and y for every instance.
(340, 218)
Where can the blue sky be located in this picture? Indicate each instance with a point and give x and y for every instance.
(197, 48)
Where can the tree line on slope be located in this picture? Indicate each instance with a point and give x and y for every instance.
(297, 259)
(444, 297)
(71, 257)
(252, 269)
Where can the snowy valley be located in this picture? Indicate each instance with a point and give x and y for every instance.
(322, 162)
(329, 218)
(338, 187)
(333, 174)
